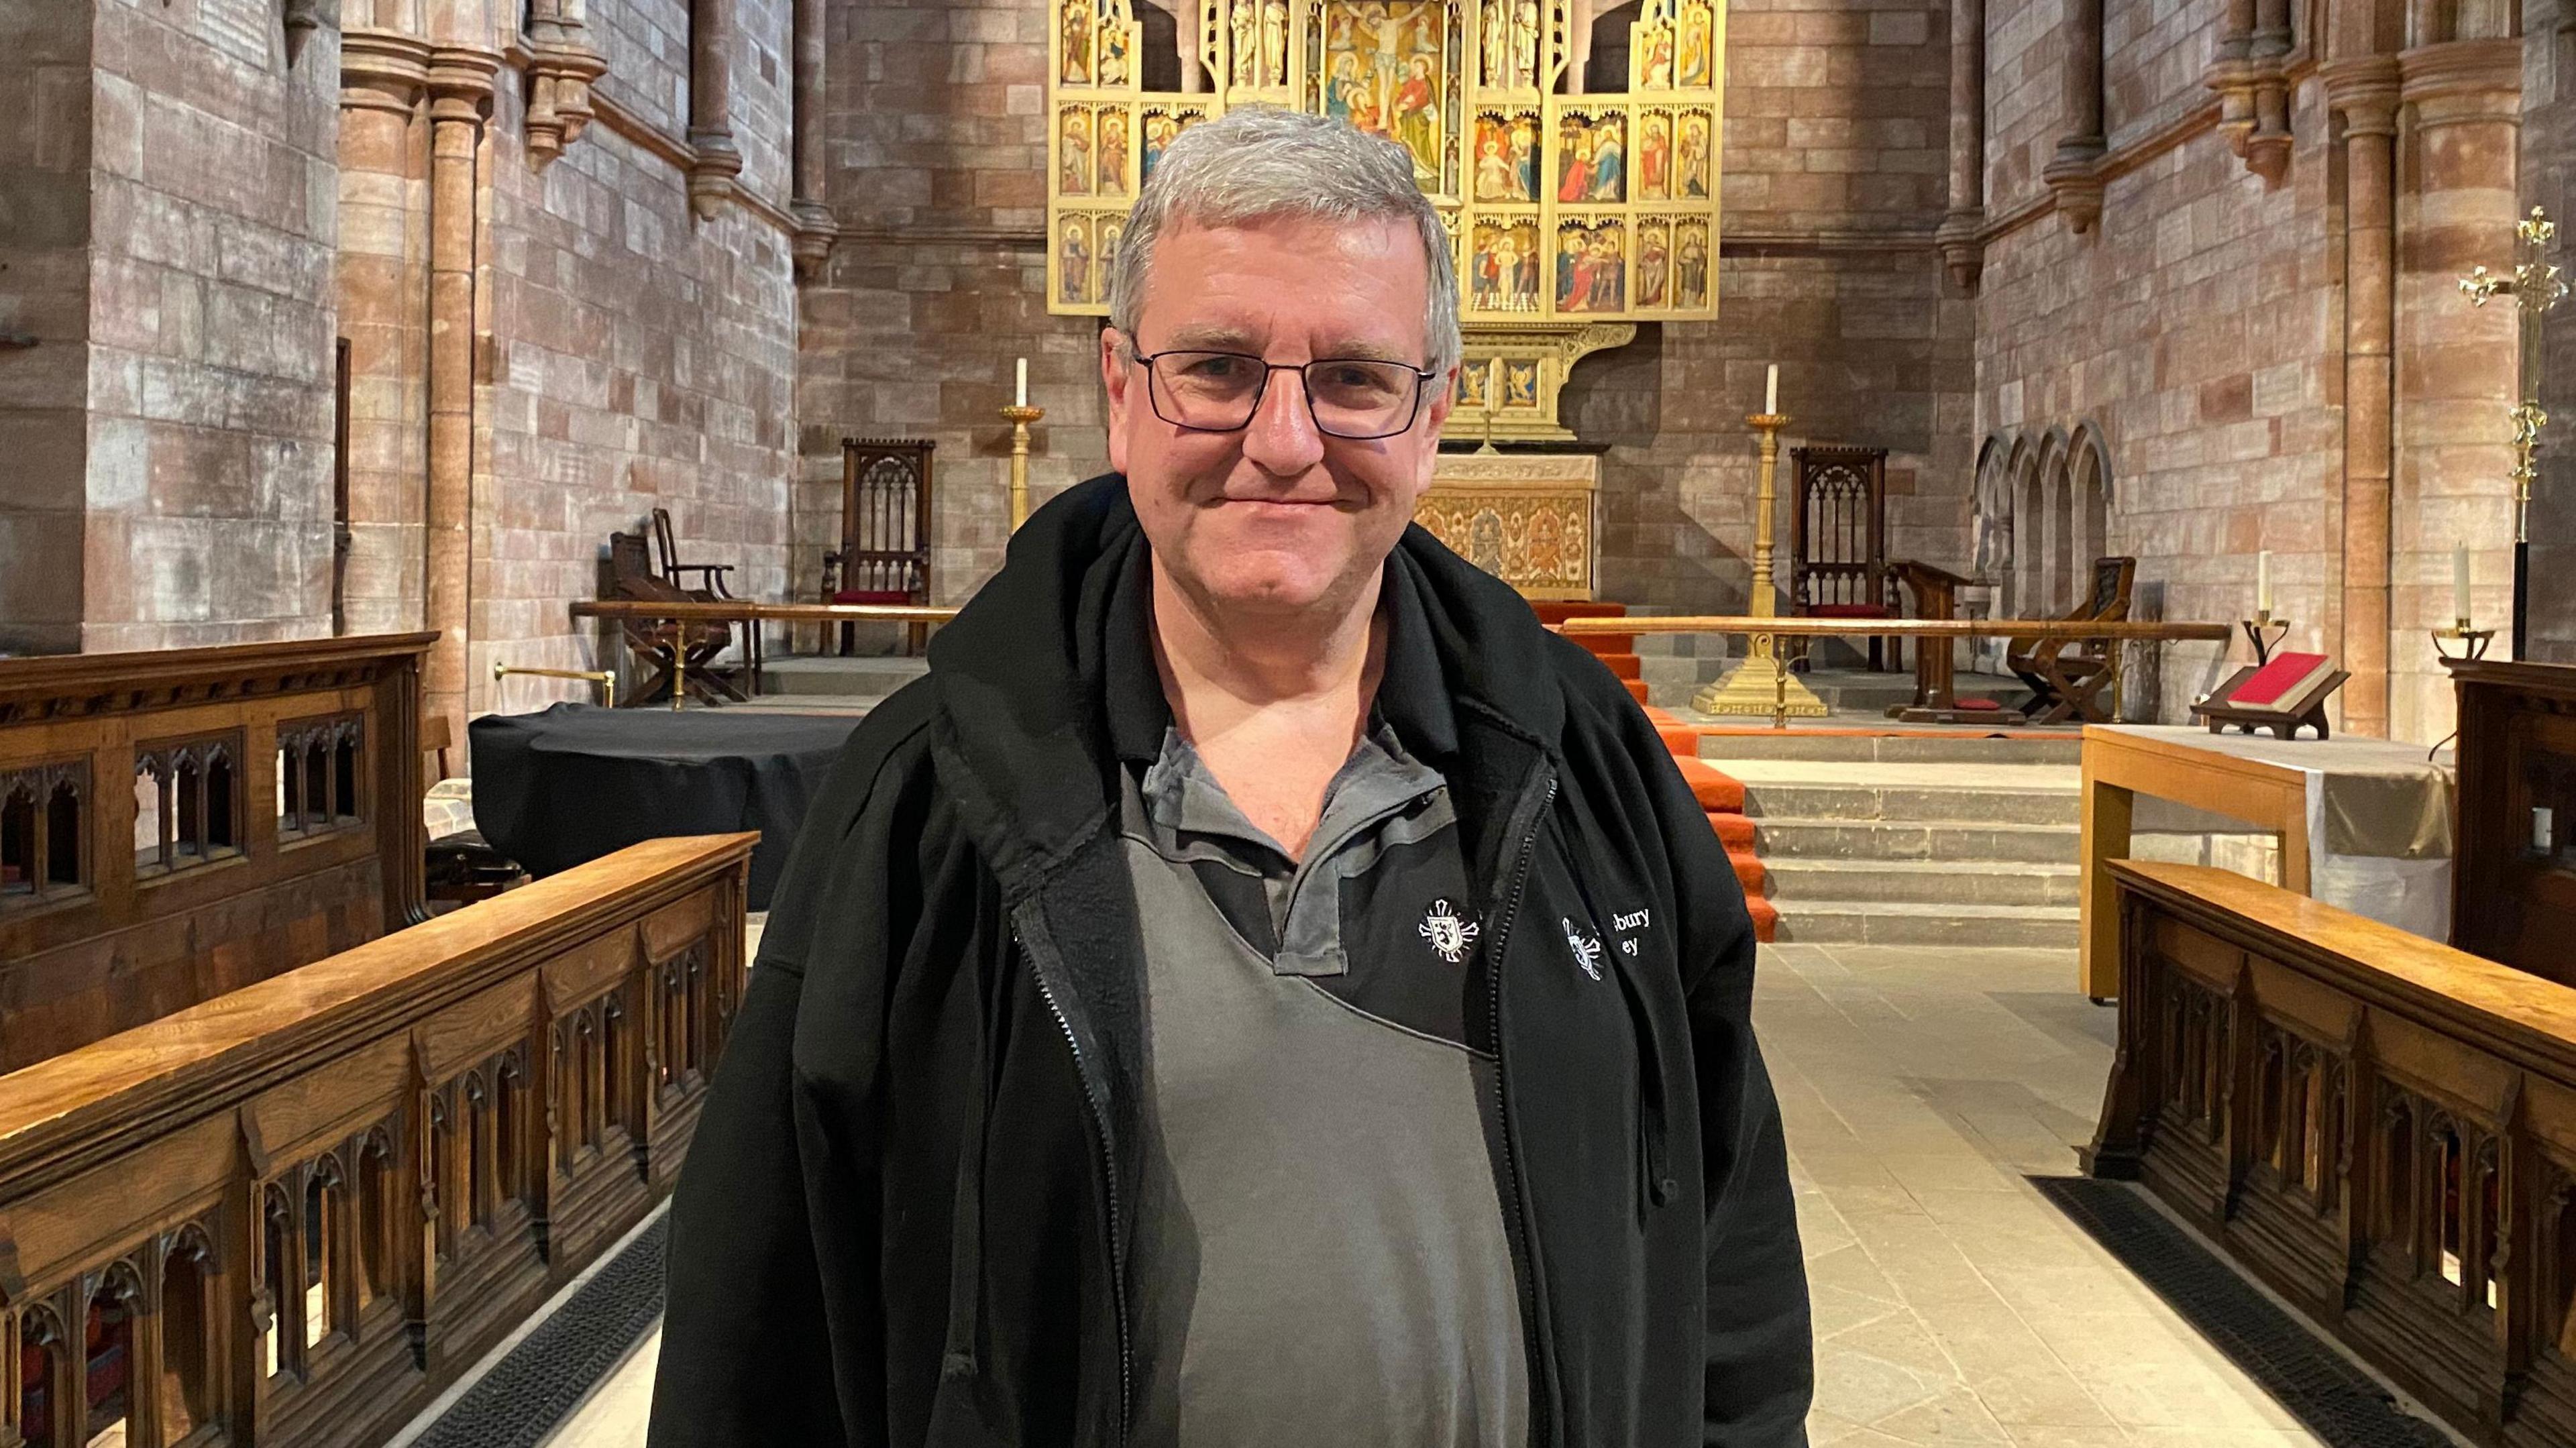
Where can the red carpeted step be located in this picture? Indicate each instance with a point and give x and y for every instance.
(1625, 666)
(1636, 689)
(1715, 792)
(1734, 831)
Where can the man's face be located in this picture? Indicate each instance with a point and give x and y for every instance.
(1276, 518)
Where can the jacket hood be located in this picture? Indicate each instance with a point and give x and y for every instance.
(1046, 679)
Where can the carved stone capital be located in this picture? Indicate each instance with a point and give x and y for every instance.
(560, 71)
(712, 172)
(381, 70)
(1961, 251)
(302, 18)
(816, 228)
(2254, 109)
(2463, 81)
(2074, 176)
(460, 82)
(2365, 89)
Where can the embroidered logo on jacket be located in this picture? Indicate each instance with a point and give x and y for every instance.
(1587, 948)
(1449, 934)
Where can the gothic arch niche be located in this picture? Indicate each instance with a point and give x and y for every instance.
(2091, 469)
(324, 1207)
(2057, 566)
(2030, 521)
(42, 1346)
(107, 1356)
(188, 1356)
(375, 1274)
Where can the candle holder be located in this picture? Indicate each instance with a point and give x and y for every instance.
(2254, 628)
(1019, 418)
(1762, 684)
(2472, 641)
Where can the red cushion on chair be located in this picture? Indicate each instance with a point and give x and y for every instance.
(872, 595)
(1850, 610)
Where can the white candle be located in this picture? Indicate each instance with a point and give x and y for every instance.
(2460, 583)
(1021, 397)
(2263, 583)
(2543, 835)
(1771, 392)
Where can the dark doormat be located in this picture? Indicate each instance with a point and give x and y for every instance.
(538, 1383)
(2316, 1384)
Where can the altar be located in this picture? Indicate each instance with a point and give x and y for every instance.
(1526, 518)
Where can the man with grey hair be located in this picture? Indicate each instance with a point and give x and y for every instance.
(1260, 987)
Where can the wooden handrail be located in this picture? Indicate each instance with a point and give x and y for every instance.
(2379, 1126)
(1800, 626)
(454, 1120)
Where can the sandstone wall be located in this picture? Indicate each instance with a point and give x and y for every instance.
(1835, 153)
(937, 145)
(2549, 165)
(642, 357)
(211, 326)
(44, 322)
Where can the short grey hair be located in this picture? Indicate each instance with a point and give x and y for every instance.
(1262, 161)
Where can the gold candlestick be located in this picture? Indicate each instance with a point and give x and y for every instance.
(1762, 684)
(1020, 417)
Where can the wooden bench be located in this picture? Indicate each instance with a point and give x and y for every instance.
(295, 1214)
(178, 824)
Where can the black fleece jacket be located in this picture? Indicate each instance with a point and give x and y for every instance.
(905, 1217)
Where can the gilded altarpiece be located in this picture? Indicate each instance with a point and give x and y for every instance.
(1575, 213)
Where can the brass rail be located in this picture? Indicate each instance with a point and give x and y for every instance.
(606, 681)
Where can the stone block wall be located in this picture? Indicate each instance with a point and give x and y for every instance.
(641, 358)
(213, 201)
(44, 322)
(937, 146)
(1835, 153)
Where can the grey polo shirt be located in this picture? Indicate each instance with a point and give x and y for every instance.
(1320, 1252)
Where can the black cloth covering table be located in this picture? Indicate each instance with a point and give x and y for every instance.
(573, 783)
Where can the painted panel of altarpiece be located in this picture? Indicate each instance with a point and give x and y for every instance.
(1584, 207)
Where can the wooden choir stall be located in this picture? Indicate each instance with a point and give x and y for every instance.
(277, 1164)
(2379, 1125)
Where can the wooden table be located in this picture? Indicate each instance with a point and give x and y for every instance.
(751, 614)
(2183, 764)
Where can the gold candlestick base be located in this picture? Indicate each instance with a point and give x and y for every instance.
(1762, 684)
(1019, 418)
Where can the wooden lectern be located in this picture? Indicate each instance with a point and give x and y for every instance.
(1936, 700)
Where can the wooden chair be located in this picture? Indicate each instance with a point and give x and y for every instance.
(631, 575)
(2067, 677)
(884, 557)
(1838, 537)
(711, 575)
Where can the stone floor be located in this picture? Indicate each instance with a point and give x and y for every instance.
(1953, 1304)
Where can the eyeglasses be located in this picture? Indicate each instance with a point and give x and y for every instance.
(1355, 398)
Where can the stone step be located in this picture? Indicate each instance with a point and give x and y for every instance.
(1783, 837)
(1966, 926)
(2028, 794)
(865, 677)
(1797, 883)
(1961, 748)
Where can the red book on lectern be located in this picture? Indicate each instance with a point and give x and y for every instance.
(2285, 684)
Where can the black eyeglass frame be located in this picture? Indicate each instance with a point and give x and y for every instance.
(1153, 394)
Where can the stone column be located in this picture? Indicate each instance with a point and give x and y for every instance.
(718, 160)
(2074, 172)
(2456, 365)
(2364, 92)
(381, 280)
(1957, 236)
(814, 223)
(460, 90)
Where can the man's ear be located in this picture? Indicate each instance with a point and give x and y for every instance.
(1115, 375)
(1443, 398)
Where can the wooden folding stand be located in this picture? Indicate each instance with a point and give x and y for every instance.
(1936, 700)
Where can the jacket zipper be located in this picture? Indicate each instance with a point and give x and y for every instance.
(1108, 1175)
(1514, 1218)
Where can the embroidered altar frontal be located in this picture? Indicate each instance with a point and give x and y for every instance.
(1525, 518)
